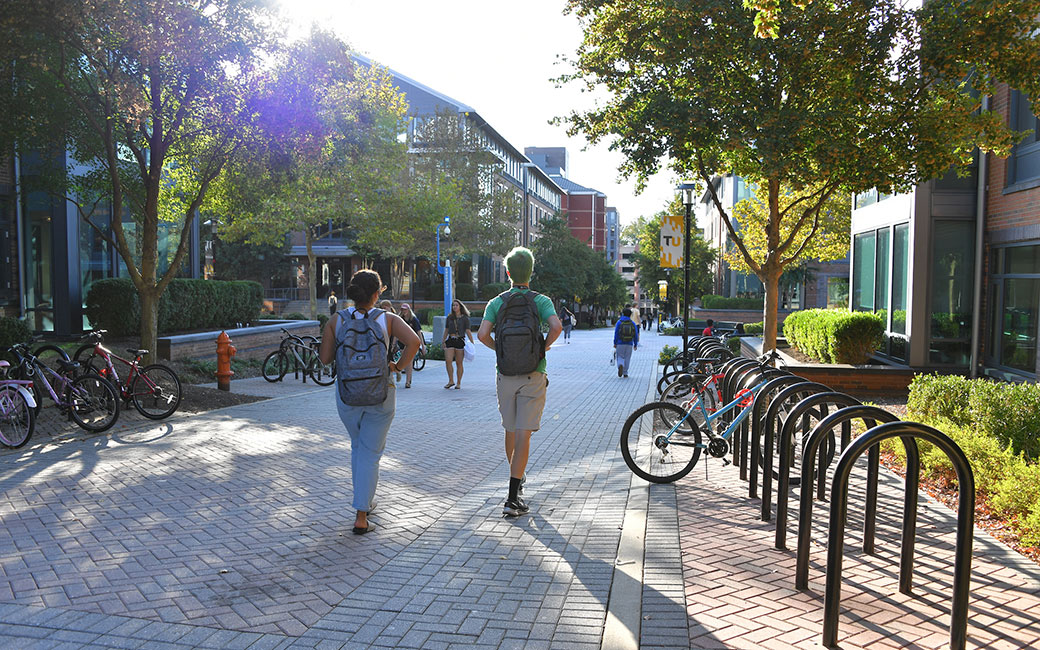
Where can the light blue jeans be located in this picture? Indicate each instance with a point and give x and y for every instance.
(367, 426)
(624, 356)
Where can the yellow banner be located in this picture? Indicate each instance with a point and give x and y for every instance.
(671, 242)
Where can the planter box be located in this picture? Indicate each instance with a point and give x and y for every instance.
(250, 342)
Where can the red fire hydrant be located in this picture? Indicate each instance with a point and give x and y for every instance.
(224, 353)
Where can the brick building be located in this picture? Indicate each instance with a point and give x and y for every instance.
(584, 208)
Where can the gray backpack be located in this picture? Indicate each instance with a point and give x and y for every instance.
(519, 344)
(362, 364)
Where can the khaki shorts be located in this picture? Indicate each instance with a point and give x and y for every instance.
(521, 400)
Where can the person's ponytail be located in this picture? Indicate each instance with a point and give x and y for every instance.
(365, 285)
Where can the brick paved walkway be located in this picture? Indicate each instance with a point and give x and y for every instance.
(231, 530)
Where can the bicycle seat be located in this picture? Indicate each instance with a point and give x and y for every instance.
(4, 364)
(67, 366)
(136, 352)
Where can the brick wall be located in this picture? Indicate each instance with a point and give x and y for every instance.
(250, 343)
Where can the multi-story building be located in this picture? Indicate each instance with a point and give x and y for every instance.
(971, 243)
(626, 266)
(613, 233)
(584, 207)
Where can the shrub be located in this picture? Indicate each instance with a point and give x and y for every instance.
(112, 304)
(712, 301)
(733, 343)
(322, 319)
(672, 331)
(435, 352)
(13, 330)
(492, 289)
(465, 291)
(835, 335)
(667, 352)
(294, 315)
(426, 315)
(754, 328)
(1010, 413)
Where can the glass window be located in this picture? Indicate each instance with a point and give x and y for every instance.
(1019, 327)
(881, 266)
(952, 265)
(39, 269)
(1024, 164)
(1021, 259)
(863, 272)
(837, 293)
(900, 273)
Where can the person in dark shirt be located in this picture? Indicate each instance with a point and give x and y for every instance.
(412, 321)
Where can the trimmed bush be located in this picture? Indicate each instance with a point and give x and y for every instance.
(13, 330)
(187, 304)
(754, 328)
(322, 320)
(294, 315)
(667, 352)
(712, 301)
(492, 289)
(835, 335)
(733, 343)
(465, 291)
(426, 315)
(435, 352)
(672, 331)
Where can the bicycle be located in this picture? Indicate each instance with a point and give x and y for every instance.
(418, 361)
(91, 401)
(154, 390)
(301, 353)
(669, 435)
(17, 410)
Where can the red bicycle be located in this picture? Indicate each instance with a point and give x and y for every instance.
(154, 390)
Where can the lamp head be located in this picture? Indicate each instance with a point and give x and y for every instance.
(447, 230)
(686, 190)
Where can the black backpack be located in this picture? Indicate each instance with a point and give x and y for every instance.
(519, 344)
(627, 331)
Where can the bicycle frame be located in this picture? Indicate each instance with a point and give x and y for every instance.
(108, 355)
(711, 416)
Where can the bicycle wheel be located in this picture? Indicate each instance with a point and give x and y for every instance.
(156, 392)
(655, 451)
(419, 361)
(275, 366)
(93, 403)
(49, 354)
(323, 374)
(17, 420)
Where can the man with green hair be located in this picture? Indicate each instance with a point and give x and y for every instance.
(512, 328)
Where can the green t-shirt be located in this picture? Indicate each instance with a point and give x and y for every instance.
(543, 303)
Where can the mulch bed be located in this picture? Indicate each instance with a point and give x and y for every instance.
(198, 399)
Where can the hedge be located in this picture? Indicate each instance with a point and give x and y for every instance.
(113, 305)
(712, 301)
(13, 331)
(465, 291)
(754, 328)
(835, 335)
(492, 289)
(996, 425)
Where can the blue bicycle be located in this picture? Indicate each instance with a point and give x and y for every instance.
(662, 441)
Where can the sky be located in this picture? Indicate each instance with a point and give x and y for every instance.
(498, 57)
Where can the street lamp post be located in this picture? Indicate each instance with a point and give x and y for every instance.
(446, 269)
(687, 190)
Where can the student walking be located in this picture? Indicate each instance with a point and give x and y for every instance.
(413, 321)
(456, 329)
(358, 339)
(567, 319)
(626, 339)
(333, 303)
(512, 328)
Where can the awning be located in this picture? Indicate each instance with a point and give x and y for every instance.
(323, 250)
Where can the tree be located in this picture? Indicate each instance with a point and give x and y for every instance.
(150, 98)
(327, 153)
(846, 97)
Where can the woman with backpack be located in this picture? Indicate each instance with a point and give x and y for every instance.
(456, 329)
(358, 338)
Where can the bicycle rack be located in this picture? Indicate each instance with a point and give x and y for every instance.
(731, 372)
(783, 489)
(757, 420)
(965, 523)
(769, 438)
(747, 380)
(870, 415)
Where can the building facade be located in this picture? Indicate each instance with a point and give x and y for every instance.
(585, 208)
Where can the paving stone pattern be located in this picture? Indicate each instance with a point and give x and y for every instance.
(237, 522)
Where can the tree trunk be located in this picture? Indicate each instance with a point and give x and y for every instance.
(771, 281)
(149, 329)
(312, 272)
(397, 278)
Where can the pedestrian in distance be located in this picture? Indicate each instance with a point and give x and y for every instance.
(567, 319)
(626, 341)
(512, 327)
(413, 321)
(333, 303)
(456, 329)
(710, 329)
(388, 307)
(358, 338)
(634, 314)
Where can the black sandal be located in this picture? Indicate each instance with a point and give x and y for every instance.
(358, 530)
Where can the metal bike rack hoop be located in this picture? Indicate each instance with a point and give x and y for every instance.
(762, 400)
(965, 523)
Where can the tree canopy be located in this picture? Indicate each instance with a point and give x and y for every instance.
(568, 270)
(841, 97)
